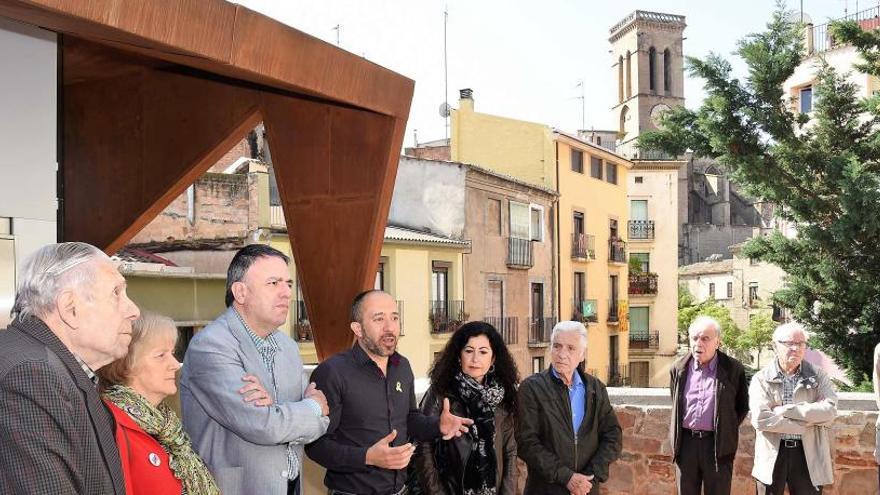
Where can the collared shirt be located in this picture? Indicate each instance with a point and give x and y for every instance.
(89, 373)
(267, 348)
(365, 405)
(577, 397)
(699, 395)
(789, 383)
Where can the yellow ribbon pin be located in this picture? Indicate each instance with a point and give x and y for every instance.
(398, 387)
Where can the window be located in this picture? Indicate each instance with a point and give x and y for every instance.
(495, 302)
(667, 70)
(379, 284)
(639, 179)
(577, 161)
(611, 172)
(638, 209)
(628, 74)
(519, 220)
(729, 290)
(578, 225)
(644, 260)
(712, 290)
(580, 286)
(536, 226)
(652, 68)
(596, 167)
(753, 294)
(806, 99)
(537, 364)
(612, 229)
(440, 282)
(493, 216)
(639, 322)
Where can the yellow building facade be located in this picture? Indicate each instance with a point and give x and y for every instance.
(590, 219)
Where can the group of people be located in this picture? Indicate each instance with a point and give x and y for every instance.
(83, 375)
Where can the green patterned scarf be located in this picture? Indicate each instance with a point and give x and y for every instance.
(166, 428)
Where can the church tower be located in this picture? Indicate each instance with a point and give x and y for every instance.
(649, 70)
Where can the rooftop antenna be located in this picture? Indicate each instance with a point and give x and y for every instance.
(338, 29)
(445, 73)
(583, 99)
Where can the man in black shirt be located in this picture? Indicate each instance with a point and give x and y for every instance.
(373, 407)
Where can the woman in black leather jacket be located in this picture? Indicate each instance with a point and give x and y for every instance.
(478, 376)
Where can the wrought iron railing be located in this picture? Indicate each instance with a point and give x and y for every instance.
(585, 310)
(507, 326)
(540, 330)
(446, 316)
(819, 38)
(583, 246)
(519, 253)
(641, 230)
(644, 339)
(617, 251)
(618, 376)
(643, 284)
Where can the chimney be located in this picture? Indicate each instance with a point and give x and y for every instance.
(466, 99)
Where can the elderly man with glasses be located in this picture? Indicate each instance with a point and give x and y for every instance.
(793, 405)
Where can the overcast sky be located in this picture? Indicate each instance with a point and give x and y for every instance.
(523, 59)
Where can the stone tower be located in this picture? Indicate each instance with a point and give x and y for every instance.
(649, 70)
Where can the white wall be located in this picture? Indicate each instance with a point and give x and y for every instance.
(429, 196)
(28, 137)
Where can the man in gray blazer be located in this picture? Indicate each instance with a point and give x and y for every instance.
(244, 400)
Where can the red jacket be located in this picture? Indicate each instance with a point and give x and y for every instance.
(140, 453)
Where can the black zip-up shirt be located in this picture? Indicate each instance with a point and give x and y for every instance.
(365, 405)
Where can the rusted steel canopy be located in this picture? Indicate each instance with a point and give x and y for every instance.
(155, 92)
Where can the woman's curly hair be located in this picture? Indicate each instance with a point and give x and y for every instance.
(448, 364)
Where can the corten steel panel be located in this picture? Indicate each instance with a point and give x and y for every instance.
(339, 209)
(227, 39)
(137, 133)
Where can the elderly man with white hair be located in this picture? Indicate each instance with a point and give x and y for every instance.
(72, 316)
(709, 401)
(793, 405)
(567, 433)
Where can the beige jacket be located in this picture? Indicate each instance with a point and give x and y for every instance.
(877, 398)
(811, 415)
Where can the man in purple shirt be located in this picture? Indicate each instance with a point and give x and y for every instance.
(710, 399)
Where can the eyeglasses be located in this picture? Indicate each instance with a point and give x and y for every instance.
(792, 343)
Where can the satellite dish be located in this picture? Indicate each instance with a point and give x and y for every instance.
(445, 110)
(795, 16)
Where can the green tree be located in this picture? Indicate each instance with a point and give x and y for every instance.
(759, 335)
(822, 170)
(730, 332)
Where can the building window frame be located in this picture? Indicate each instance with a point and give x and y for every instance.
(577, 160)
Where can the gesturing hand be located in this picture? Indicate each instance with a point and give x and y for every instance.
(580, 484)
(254, 391)
(316, 395)
(452, 425)
(383, 455)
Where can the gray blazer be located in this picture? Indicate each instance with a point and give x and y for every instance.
(244, 446)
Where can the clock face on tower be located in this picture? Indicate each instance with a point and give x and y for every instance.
(658, 110)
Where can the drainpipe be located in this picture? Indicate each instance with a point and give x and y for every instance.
(557, 254)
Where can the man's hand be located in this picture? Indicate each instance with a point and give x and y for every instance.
(781, 410)
(316, 395)
(580, 484)
(452, 425)
(383, 455)
(254, 391)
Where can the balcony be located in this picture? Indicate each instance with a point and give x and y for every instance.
(583, 247)
(641, 230)
(301, 328)
(519, 253)
(540, 330)
(644, 339)
(507, 326)
(616, 251)
(585, 310)
(276, 217)
(618, 376)
(446, 316)
(643, 284)
(613, 309)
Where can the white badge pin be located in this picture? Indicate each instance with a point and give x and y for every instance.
(154, 459)
(398, 388)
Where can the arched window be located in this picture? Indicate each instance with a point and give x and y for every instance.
(620, 78)
(652, 69)
(628, 74)
(621, 131)
(667, 70)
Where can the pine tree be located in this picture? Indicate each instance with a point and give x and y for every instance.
(821, 170)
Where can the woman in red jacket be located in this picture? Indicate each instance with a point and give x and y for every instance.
(157, 456)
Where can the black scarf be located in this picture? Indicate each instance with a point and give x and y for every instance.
(480, 401)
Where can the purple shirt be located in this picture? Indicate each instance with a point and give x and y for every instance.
(699, 396)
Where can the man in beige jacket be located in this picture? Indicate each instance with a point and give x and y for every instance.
(792, 407)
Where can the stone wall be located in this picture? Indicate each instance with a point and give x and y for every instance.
(646, 466)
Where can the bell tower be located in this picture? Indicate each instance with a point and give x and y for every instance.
(649, 70)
